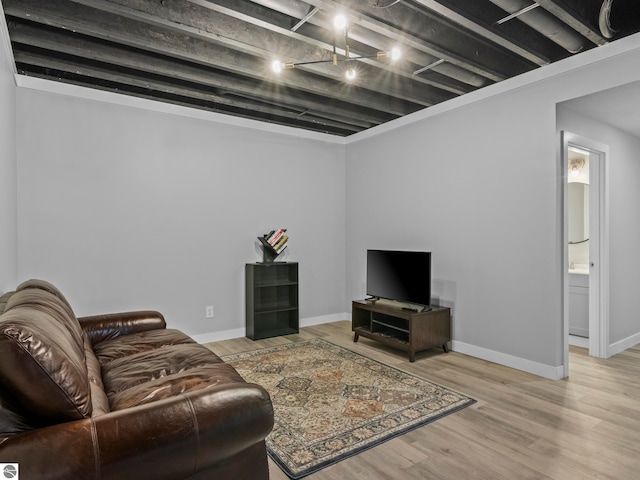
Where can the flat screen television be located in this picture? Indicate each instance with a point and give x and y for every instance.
(399, 275)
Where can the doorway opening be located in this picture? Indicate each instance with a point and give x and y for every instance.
(585, 240)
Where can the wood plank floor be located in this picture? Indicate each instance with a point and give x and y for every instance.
(522, 426)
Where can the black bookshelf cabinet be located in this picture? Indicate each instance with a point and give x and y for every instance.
(271, 299)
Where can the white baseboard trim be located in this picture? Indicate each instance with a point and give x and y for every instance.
(576, 341)
(553, 373)
(623, 344)
(547, 371)
(335, 317)
(242, 332)
(218, 336)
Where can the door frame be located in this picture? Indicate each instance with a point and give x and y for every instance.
(598, 244)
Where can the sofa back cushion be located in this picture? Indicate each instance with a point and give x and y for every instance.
(44, 297)
(36, 284)
(4, 298)
(43, 373)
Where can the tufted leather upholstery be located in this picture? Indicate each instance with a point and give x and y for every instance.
(120, 396)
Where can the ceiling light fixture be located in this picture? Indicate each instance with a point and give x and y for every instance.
(340, 25)
(575, 166)
(350, 73)
(340, 22)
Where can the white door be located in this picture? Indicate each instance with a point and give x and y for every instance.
(598, 244)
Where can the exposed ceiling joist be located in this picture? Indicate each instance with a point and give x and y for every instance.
(216, 54)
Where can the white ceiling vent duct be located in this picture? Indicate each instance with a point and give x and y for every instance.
(604, 20)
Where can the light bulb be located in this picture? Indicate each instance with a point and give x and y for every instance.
(340, 22)
(350, 73)
(276, 66)
(396, 53)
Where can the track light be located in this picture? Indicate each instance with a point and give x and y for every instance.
(340, 24)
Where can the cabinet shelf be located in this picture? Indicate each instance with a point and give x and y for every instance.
(278, 332)
(271, 299)
(274, 284)
(274, 309)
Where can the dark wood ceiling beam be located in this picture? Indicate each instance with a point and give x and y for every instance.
(235, 29)
(113, 28)
(426, 34)
(85, 49)
(569, 11)
(130, 79)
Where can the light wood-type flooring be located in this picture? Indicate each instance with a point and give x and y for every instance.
(522, 427)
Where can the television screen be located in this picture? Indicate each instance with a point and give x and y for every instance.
(399, 275)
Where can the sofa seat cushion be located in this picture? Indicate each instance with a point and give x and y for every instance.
(167, 371)
(169, 386)
(128, 345)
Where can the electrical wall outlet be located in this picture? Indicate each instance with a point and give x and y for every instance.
(208, 312)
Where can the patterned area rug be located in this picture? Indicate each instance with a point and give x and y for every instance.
(331, 403)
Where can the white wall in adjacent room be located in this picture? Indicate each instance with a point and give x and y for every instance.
(623, 186)
(8, 192)
(480, 186)
(127, 208)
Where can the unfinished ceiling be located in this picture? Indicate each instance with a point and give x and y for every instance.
(217, 54)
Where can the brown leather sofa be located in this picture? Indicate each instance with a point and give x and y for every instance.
(120, 396)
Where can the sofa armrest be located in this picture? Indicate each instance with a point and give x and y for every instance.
(112, 325)
(171, 438)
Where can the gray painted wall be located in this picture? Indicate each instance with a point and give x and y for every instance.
(480, 186)
(485, 205)
(127, 208)
(624, 226)
(8, 213)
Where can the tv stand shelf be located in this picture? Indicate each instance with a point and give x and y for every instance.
(411, 331)
(393, 327)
